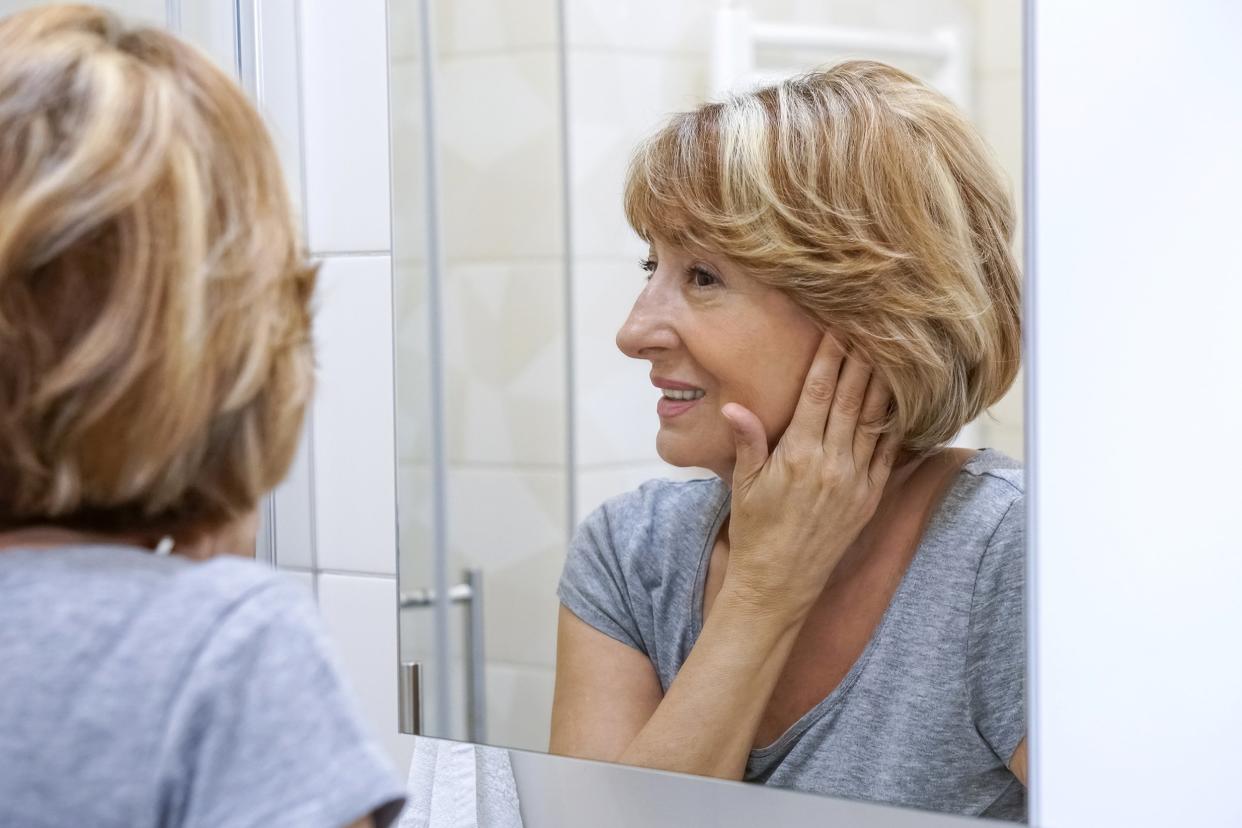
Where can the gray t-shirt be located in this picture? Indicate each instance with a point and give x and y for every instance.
(933, 708)
(138, 690)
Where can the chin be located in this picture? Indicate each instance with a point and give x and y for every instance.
(680, 451)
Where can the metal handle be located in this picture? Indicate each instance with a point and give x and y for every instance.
(469, 593)
(410, 698)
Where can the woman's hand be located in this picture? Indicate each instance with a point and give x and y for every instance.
(795, 512)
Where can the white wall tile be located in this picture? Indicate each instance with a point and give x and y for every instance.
(303, 580)
(279, 89)
(360, 615)
(294, 506)
(354, 450)
(345, 100)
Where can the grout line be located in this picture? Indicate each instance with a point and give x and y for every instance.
(312, 518)
(498, 465)
(351, 573)
(348, 254)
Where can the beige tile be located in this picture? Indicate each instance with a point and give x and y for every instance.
(418, 645)
(513, 526)
(412, 363)
(475, 26)
(404, 32)
(500, 157)
(519, 706)
(616, 101)
(640, 25)
(614, 401)
(415, 525)
(1001, 121)
(594, 486)
(999, 35)
(504, 363)
(1003, 422)
(409, 161)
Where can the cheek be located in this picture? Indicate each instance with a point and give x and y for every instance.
(785, 364)
(768, 379)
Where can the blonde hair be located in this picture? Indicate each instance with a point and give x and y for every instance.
(873, 203)
(155, 357)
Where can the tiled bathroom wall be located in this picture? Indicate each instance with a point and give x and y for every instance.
(324, 93)
(498, 123)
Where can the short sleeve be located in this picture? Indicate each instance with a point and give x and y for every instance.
(593, 586)
(264, 732)
(996, 660)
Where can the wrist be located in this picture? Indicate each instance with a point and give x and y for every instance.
(760, 608)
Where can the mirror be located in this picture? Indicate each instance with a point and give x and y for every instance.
(515, 267)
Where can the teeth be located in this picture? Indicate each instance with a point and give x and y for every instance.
(670, 394)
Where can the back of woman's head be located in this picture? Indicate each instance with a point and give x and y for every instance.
(155, 361)
(874, 204)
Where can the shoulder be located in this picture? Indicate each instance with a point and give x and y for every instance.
(658, 511)
(661, 498)
(121, 584)
(989, 492)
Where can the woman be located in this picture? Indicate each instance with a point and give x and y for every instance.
(831, 296)
(155, 365)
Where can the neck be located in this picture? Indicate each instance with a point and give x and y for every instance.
(236, 538)
(901, 483)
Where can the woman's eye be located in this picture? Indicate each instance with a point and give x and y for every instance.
(648, 265)
(703, 278)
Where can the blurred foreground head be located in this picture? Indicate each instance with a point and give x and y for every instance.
(155, 356)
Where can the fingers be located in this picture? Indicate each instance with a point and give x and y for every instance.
(847, 405)
(818, 390)
(750, 441)
(884, 458)
(871, 420)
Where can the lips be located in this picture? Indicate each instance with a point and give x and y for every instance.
(677, 397)
(668, 409)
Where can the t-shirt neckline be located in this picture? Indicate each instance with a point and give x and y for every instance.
(837, 696)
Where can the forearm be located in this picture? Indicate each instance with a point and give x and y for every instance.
(707, 721)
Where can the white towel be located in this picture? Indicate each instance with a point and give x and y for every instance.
(460, 785)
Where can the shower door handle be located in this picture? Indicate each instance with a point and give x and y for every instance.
(469, 593)
(410, 698)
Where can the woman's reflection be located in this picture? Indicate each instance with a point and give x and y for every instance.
(831, 296)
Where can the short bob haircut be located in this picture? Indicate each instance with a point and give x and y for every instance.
(155, 357)
(868, 199)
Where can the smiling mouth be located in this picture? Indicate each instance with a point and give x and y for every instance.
(683, 396)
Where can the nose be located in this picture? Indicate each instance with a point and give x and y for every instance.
(649, 328)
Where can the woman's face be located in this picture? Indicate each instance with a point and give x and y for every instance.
(714, 335)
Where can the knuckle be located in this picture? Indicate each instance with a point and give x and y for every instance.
(849, 399)
(820, 389)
